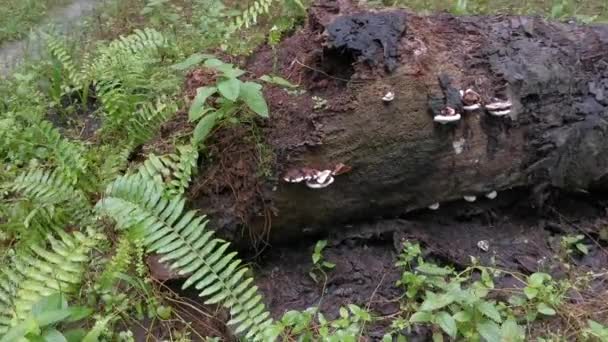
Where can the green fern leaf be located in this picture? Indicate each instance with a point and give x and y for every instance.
(43, 271)
(136, 202)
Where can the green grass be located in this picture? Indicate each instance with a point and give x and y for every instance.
(557, 9)
(20, 16)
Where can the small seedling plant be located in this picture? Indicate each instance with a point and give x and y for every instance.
(319, 264)
(572, 244)
(222, 101)
(457, 306)
(311, 325)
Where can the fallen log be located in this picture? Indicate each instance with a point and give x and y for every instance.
(378, 82)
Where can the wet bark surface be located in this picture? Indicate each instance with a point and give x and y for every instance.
(554, 138)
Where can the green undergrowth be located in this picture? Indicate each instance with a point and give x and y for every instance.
(583, 11)
(21, 16)
(82, 208)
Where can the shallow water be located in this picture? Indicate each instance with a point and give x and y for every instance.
(61, 20)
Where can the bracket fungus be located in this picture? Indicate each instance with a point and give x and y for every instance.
(448, 115)
(499, 107)
(470, 199)
(484, 245)
(388, 97)
(314, 178)
(434, 206)
(471, 100)
(492, 194)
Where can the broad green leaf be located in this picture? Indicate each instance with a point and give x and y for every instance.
(52, 335)
(213, 63)
(197, 109)
(433, 269)
(517, 300)
(462, 316)
(328, 264)
(387, 338)
(75, 335)
(316, 257)
(489, 310)
(78, 313)
(489, 330)
(582, 248)
(531, 292)
(163, 312)
(251, 94)
(421, 317)
(52, 316)
(434, 302)
(278, 81)
(545, 309)
(204, 127)
(230, 88)
(229, 71)
(437, 336)
(190, 61)
(447, 323)
(511, 332)
(537, 279)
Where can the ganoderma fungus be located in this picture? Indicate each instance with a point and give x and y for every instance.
(315, 179)
(484, 245)
(470, 99)
(388, 97)
(434, 206)
(492, 194)
(499, 107)
(316, 184)
(448, 114)
(470, 199)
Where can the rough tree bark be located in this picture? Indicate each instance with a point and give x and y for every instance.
(555, 137)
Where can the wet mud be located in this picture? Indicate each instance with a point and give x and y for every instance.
(519, 239)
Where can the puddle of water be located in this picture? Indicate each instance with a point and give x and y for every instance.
(62, 20)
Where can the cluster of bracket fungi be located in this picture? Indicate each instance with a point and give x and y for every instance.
(472, 101)
(313, 178)
(469, 198)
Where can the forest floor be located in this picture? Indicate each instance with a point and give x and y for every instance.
(568, 241)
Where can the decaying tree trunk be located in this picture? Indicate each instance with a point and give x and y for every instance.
(348, 59)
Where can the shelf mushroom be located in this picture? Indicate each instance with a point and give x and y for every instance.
(313, 178)
(388, 97)
(470, 198)
(448, 115)
(499, 107)
(471, 100)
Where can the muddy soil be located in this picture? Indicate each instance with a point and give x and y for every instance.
(520, 241)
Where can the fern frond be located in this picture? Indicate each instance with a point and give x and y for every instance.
(113, 164)
(182, 236)
(45, 269)
(67, 155)
(59, 51)
(118, 264)
(143, 45)
(173, 171)
(250, 15)
(49, 189)
(148, 119)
